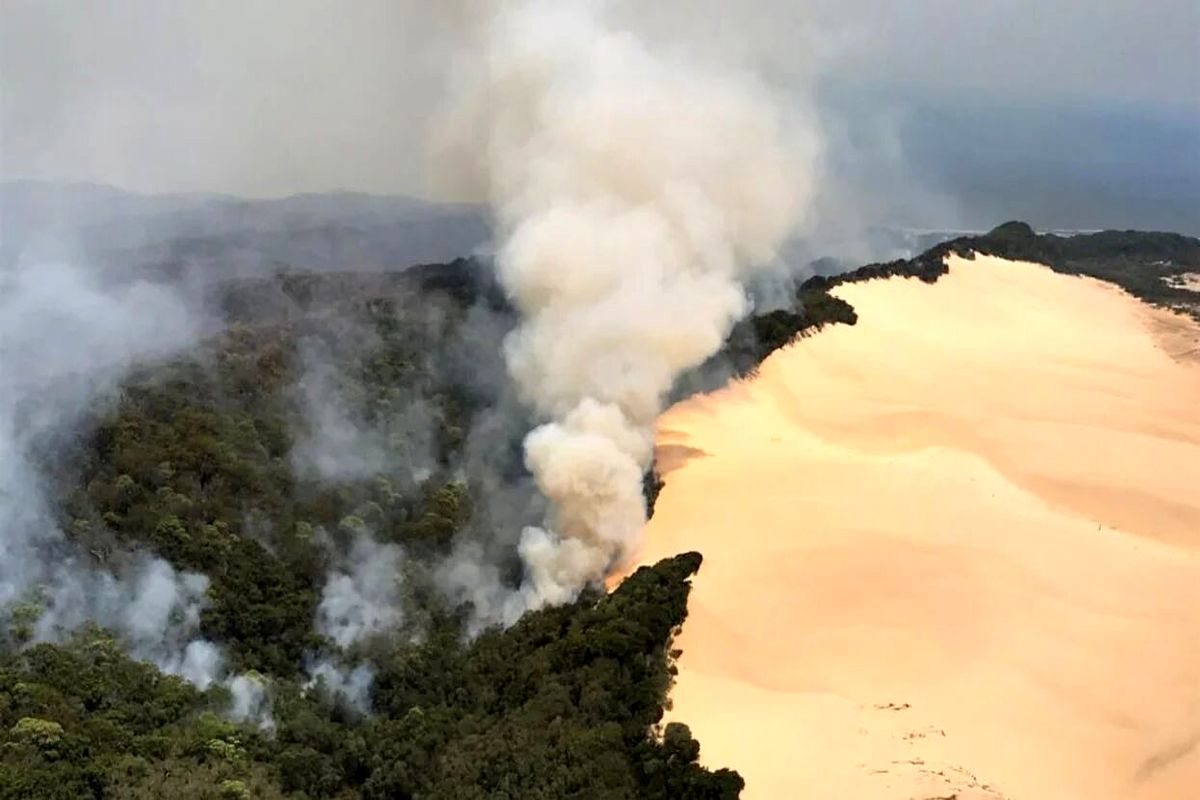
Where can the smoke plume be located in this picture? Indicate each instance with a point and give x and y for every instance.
(351, 685)
(364, 598)
(633, 191)
(250, 700)
(66, 337)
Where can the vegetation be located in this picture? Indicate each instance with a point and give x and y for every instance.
(195, 461)
(567, 703)
(1139, 262)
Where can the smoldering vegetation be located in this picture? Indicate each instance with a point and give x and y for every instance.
(300, 493)
(332, 411)
(66, 340)
(122, 361)
(315, 468)
(229, 445)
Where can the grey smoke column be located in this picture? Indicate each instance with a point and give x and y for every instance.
(633, 192)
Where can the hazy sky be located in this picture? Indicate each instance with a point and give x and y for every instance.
(270, 97)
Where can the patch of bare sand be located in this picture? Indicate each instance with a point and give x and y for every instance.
(951, 551)
(1177, 334)
(1188, 280)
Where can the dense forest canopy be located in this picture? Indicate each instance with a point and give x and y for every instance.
(349, 442)
(563, 704)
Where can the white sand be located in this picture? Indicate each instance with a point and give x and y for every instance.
(952, 549)
(1188, 280)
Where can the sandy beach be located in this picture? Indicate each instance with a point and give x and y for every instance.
(951, 551)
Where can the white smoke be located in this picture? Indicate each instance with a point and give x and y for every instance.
(340, 445)
(352, 685)
(250, 700)
(469, 575)
(633, 193)
(154, 608)
(201, 663)
(363, 599)
(65, 340)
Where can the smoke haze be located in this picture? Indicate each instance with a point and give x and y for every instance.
(341, 446)
(1097, 101)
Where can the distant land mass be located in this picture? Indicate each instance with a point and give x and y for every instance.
(212, 237)
(215, 237)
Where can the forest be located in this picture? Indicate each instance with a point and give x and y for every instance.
(564, 704)
(200, 460)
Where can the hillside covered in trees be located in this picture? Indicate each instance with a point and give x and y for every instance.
(331, 422)
(563, 704)
(328, 413)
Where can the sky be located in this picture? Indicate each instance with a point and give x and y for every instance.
(936, 112)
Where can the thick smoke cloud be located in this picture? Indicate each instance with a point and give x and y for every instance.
(633, 191)
(65, 340)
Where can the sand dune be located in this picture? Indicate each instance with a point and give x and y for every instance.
(951, 551)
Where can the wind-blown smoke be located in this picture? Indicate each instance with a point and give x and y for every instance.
(633, 191)
(65, 339)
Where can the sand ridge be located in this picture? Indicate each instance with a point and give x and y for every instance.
(951, 551)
